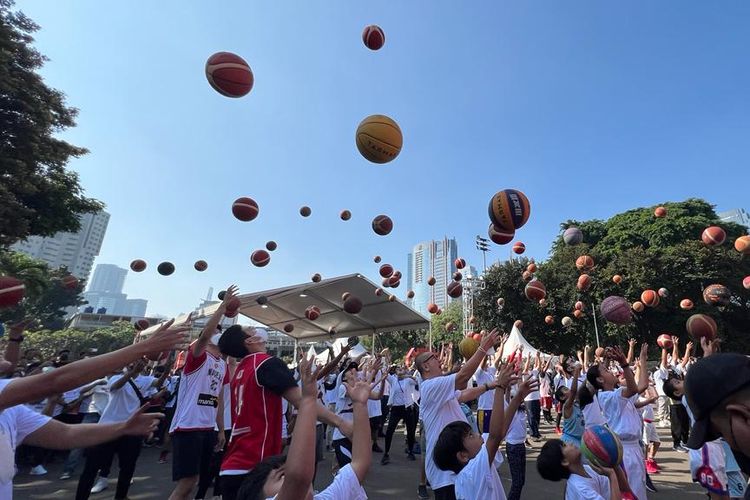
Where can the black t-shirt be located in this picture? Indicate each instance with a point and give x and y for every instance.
(274, 375)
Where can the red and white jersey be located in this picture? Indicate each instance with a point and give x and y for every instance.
(256, 419)
(198, 395)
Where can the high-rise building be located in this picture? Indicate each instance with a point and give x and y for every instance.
(76, 251)
(736, 215)
(105, 292)
(431, 259)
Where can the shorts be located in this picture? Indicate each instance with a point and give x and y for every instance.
(189, 449)
(650, 435)
(546, 402)
(708, 468)
(343, 449)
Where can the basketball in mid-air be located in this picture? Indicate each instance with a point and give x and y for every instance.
(229, 74)
(379, 139)
(509, 209)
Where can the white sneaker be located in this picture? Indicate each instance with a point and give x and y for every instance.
(101, 484)
(38, 471)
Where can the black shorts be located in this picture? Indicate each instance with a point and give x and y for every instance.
(189, 450)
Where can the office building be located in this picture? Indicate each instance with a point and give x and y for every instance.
(431, 259)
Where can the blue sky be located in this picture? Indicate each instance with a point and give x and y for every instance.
(589, 107)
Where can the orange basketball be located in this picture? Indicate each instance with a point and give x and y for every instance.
(638, 306)
(509, 209)
(713, 236)
(660, 212)
(499, 235)
(686, 304)
(585, 263)
(701, 325)
(742, 245)
(650, 298)
(379, 139)
(519, 247)
(229, 74)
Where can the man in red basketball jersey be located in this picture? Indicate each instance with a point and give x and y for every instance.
(258, 385)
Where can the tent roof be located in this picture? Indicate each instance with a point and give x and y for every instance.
(287, 306)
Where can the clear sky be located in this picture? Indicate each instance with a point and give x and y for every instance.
(589, 107)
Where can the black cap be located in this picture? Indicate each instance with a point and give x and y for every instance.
(708, 382)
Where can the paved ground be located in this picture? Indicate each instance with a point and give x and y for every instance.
(399, 479)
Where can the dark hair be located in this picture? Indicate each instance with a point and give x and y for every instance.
(592, 374)
(585, 396)
(449, 442)
(549, 462)
(252, 486)
(232, 342)
(669, 387)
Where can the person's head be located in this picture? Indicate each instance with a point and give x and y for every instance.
(265, 480)
(555, 459)
(238, 341)
(456, 445)
(428, 365)
(674, 387)
(601, 378)
(562, 393)
(718, 392)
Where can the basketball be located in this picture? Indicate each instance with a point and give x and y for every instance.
(316, 278)
(373, 37)
(305, 211)
(535, 290)
(377, 259)
(229, 74)
(289, 328)
(686, 304)
(312, 313)
(432, 308)
(379, 139)
(584, 282)
(138, 265)
(650, 298)
(141, 324)
(746, 282)
(455, 289)
(519, 247)
(664, 341)
(457, 276)
(468, 347)
(742, 245)
(69, 282)
(352, 305)
(386, 270)
(165, 268)
(617, 279)
(460, 263)
(717, 295)
(713, 235)
(431, 280)
(601, 446)
(660, 212)
(531, 268)
(260, 258)
(509, 209)
(701, 325)
(518, 324)
(526, 275)
(500, 236)
(549, 319)
(12, 291)
(271, 246)
(200, 265)
(567, 321)
(382, 225)
(663, 293)
(345, 215)
(585, 263)
(245, 209)
(578, 314)
(638, 306)
(572, 236)
(410, 294)
(616, 310)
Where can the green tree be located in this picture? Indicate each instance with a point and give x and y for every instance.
(38, 196)
(49, 342)
(649, 253)
(46, 299)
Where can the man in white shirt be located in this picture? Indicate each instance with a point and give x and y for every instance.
(440, 407)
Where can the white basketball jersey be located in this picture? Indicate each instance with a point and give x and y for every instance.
(198, 395)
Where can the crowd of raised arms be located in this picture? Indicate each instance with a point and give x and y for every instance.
(241, 422)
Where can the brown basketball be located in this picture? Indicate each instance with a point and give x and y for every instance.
(379, 139)
(382, 225)
(650, 298)
(245, 209)
(386, 270)
(138, 265)
(499, 235)
(200, 265)
(742, 245)
(713, 236)
(585, 263)
(455, 289)
(260, 258)
(701, 325)
(352, 305)
(305, 211)
(229, 74)
(345, 215)
(509, 209)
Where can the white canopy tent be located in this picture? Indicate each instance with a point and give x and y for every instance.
(287, 305)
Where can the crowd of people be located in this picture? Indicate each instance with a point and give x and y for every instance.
(235, 419)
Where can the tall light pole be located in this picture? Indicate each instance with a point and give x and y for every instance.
(483, 245)
(471, 285)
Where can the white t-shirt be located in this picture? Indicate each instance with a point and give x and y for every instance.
(533, 396)
(517, 428)
(621, 414)
(482, 377)
(16, 423)
(478, 480)
(124, 401)
(440, 407)
(595, 487)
